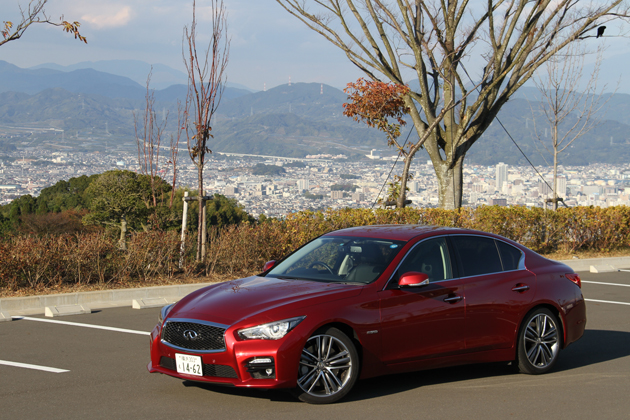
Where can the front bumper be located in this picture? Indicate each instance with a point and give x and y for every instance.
(233, 366)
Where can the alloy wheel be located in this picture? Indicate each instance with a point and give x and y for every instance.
(541, 341)
(325, 366)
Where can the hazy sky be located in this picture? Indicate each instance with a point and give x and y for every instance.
(268, 45)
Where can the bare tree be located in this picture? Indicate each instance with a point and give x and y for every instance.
(570, 109)
(429, 40)
(174, 149)
(206, 82)
(149, 131)
(33, 14)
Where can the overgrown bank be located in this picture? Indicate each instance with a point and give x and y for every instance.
(30, 263)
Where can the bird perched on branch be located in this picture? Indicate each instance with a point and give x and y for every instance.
(600, 31)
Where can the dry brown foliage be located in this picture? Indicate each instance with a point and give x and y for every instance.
(30, 263)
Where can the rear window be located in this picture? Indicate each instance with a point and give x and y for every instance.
(510, 256)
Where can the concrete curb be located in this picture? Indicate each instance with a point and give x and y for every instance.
(585, 264)
(33, 305)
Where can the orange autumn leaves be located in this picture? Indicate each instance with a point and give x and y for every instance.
(377, 104)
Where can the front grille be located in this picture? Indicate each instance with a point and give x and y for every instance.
(217, 371)
(194, 336)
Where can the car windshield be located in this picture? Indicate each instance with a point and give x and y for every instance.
(339, 259)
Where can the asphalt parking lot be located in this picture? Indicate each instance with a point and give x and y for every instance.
(94, 367)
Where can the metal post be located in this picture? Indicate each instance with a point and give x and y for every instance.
(184, 222)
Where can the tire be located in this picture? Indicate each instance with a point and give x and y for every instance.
(539, 342)
(328, 368)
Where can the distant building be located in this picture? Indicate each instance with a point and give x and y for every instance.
(336, 195)
(303, 184)
(231, 190)
(357, 196)
(498, 202)
(547, 188)
(374, 154)
(501, 176)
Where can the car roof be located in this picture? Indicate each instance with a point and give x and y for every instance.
(392, 232)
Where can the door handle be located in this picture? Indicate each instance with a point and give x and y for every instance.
(520, 288)
(453, 299)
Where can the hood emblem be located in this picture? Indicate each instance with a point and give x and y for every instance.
(191, 335)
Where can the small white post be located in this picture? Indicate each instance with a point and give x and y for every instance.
(184, 222)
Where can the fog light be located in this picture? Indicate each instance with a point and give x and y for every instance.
(261, 368)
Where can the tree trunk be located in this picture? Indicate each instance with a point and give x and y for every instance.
(402, 196)
(450, 182)
(555, 167)
(202, 213)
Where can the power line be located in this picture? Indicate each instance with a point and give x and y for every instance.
(393, 166)
(514, 141)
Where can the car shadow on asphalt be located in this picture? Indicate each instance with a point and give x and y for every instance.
(279, 395)
(596, 346)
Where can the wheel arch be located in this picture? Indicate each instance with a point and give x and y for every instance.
(349, 331)
(555, 311)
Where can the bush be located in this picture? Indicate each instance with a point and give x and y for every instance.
(238, 250)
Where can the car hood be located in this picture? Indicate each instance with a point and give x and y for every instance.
(232, 301)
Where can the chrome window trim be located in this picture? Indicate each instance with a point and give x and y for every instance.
(194, 321)
(521, 262)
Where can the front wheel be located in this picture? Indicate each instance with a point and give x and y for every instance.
(538, 342)
(328, 369)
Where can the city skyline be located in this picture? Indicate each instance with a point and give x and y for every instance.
(311, 186)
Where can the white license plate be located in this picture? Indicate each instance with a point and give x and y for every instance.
(190, 365)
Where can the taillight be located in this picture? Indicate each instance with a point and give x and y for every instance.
(575, 279)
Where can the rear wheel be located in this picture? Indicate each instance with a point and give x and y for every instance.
(328, 369)
(538, 342)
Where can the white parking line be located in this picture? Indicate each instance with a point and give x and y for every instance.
(607, 301)
(36, 367)
(607, 284)
(77, 324)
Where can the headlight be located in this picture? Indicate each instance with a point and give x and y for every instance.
(271, 331)
(164, 311)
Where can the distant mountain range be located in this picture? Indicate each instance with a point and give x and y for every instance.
(287, 120)
(162, 76)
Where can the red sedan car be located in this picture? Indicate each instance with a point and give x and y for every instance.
(373, 300)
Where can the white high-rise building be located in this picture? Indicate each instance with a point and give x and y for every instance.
(547, 188)
(501, 176)
(303, 184)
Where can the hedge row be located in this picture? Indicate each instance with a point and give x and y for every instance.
(239, 250)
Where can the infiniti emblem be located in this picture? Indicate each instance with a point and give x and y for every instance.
(191, 335)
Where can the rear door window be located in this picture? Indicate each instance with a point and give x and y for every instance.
(477, 255)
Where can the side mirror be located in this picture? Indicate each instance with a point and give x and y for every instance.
(268, 265)
(413, 279)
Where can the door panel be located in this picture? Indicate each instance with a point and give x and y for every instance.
(495, 304)
(418, 323)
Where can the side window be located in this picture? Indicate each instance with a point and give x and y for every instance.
(510, 256)
(430, 257)
(477, 254)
